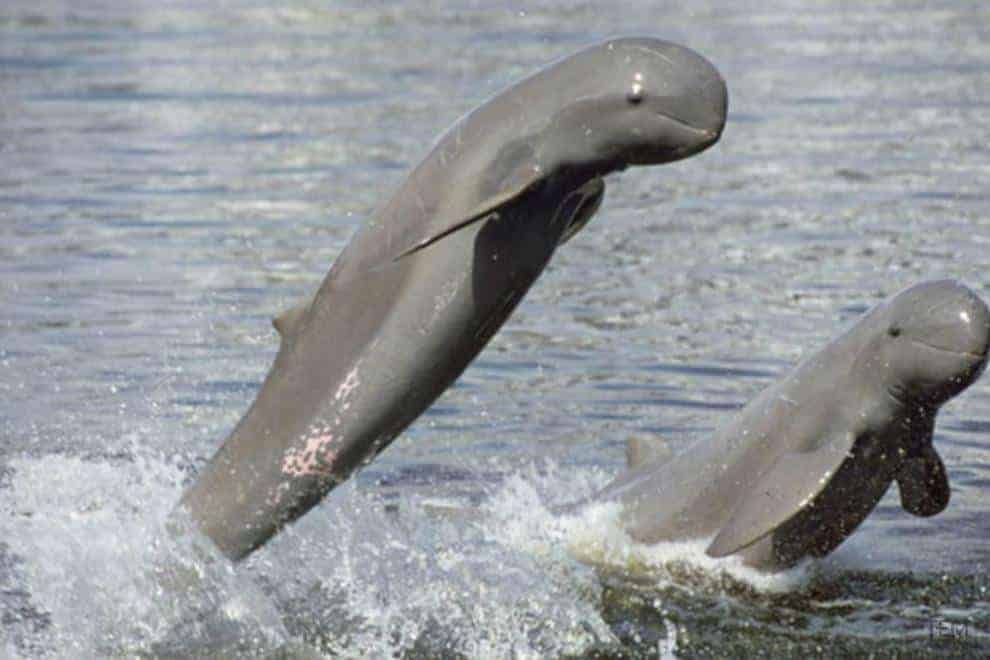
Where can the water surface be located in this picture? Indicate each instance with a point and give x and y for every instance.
(175, 174)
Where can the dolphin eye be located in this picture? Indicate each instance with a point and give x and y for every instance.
(894, 331)
(635, 94)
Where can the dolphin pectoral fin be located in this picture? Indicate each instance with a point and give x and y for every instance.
(519, 182)
(789, 486)
(642, 451)
(590, 199)
(287, 322)
(923, 484)
(430, 240)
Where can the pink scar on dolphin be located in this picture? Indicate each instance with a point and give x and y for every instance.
(313, 460)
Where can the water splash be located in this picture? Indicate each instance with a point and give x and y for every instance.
(87, 546)
(409, 567)
(361, 577)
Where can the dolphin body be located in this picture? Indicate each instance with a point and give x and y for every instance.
(803, 464)
(437, 269)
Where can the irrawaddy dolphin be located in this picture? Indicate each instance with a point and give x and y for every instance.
(437, 269)
(803, 464)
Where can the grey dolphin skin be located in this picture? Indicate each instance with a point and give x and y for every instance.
(803, 464)
(437, 269)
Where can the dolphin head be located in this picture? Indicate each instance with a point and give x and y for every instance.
(639, 101)
(933, 341)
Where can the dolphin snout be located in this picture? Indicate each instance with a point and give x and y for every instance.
(712, 135)
(969, 317)
(708, 110)
(958, 321)
(976, 318)
(718, 93)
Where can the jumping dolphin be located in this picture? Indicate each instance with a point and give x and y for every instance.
(803, 464)
(437, 269)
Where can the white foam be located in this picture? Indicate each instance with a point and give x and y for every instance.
(450, 581)
(596, 536)
(87, 538)
(353, 578)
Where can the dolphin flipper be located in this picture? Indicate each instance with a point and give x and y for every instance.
(590, 197)
(789, 486)
(923, 484)
(514, 173)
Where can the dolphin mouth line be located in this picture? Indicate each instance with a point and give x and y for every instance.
(707, 133)
(977, 356)
(897, 395)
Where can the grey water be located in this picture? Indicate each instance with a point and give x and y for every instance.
(174, 174)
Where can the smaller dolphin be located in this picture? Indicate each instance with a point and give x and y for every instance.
(804, 463)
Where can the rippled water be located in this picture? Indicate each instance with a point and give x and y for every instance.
(176, 173)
